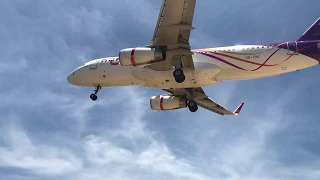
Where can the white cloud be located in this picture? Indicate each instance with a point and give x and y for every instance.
(102, 152)
(149, 156)
(19, 65)
(21, 152)
(159, 158)
(156, 158)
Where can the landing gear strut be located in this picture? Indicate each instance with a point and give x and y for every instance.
(192, 105)
(94, 96)
(179, 75)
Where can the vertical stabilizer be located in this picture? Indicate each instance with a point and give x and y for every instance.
(313, 33)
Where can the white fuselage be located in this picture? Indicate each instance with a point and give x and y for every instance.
(211, 66)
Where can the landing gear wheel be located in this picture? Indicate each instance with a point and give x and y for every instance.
(93, 97)
(177, 72)
(192, 105)
(179, 75)
(180, 79)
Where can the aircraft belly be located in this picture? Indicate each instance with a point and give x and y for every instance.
(137, 72)
(203, 75)
(108, 76)
(158, 79)
(297, 62)
(206, 72)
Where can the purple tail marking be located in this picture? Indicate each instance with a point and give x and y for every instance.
(313, 33)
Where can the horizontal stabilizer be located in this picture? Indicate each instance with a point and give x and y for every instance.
(313, 33)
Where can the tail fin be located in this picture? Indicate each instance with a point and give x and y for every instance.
(313, 33)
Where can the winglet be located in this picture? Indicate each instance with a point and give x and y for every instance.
(237, 111)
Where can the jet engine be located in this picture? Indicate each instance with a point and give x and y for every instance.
(141, 56)
(167, 102)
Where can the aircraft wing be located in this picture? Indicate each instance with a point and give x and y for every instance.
(204, 101)
(172, 33)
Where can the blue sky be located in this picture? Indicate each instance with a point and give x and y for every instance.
(51, 130)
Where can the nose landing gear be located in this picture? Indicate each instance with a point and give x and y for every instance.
(94, 96)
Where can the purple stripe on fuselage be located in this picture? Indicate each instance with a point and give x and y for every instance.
(222, 60)
(307, 48)
(233, 65)
(266, 60)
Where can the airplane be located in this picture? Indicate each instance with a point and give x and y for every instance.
(169, 64)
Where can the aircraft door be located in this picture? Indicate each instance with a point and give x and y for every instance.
(292, 48)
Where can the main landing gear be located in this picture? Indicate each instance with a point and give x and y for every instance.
(192, 105)
(94, 96)
(179, 75)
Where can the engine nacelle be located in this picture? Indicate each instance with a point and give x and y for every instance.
(167, 102)
(141, 56)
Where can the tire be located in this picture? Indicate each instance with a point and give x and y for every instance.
(93, 97)
(180, 79)
(178, 73)
(192, 105)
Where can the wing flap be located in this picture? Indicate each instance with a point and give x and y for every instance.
(204, 101)
(211, 105)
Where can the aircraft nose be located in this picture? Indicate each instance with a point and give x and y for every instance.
(76, 76)
(71, 78)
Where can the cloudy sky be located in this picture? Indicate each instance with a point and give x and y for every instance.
(51, 130)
